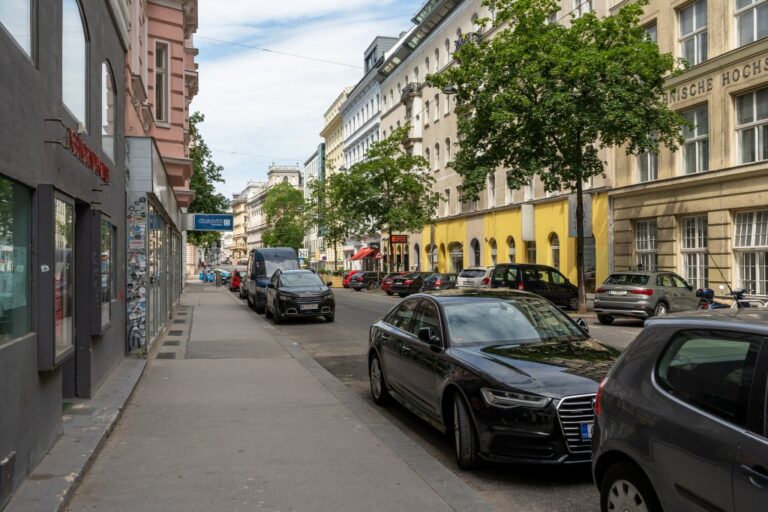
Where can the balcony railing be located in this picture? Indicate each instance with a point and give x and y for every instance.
(410, 91)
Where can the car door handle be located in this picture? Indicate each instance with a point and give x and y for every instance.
(758, 475)
(405, 350)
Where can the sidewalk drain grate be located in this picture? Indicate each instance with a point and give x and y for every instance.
(171, 343)
(166, 355)
(175, 333)
(179, 321)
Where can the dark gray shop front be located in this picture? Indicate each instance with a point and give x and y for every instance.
(62, 219)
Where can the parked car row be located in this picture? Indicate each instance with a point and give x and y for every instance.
(679, 421)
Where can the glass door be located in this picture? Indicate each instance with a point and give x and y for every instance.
(64, 275)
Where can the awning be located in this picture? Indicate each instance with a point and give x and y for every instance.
(365, 252)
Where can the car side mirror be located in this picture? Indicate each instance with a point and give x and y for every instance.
(329, 284)
(583, 325)
(270, 285)
(425, 335)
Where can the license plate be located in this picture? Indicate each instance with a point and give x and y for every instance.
(617, 292)
(305, 307)
(586, 431)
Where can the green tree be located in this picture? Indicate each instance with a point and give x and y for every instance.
(284, 209)
(205, 175)
(388, 192)
(541, 98)
(325, 213)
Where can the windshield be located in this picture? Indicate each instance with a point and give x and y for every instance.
(627, 279)
(509, 321)
(300, 280)
(272, 265)
(472, 272)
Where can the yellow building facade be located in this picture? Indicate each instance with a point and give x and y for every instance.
(503, 225)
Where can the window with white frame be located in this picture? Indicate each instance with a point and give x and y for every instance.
(492, 191)
(161, 82)
(693, 247)
(447, 151)
(693, 32)
(427, 69)
(447, 51)
(426, 112)
(447, 204)
(696, 141)
(581, 7)
(437, 107)
(428, 158)
(646, 245)
(751, 20)
(16, 17)
(437, 60)
(648, 166)
(752, 126)
(437, 157)
(751, 248)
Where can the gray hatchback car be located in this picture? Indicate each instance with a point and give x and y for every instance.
(643, 295)
(681, 420)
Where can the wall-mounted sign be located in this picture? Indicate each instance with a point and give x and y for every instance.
(703, 86)
(399, 239)
(212, 222)
(86, 155)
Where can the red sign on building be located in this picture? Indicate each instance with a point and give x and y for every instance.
(86, 155)
(399, 239)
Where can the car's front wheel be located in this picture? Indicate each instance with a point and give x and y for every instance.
(277, 315)
(378, 385)
(402, 295)
(605, 319)
(573, 303)
(626, 488)
(661, 309)
(465, 441)
(390, 293)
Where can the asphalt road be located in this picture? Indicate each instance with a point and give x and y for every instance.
(341, 348)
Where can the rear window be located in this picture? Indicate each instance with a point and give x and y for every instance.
(472, 272)
(627, 279)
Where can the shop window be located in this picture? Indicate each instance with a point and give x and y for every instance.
(456, 251)
(696, 141)
(15, 232)
(475, 252)
(108, 111)
(64, 276)
(494, 252)
(161, 82)
(73, 65)
(751, 246)
(581, 7)
(693, 32)
(511, 249)
(531, 251)
(646, 245)
(751, 20)
(107, 271)
(648, 166)
(752, 126)
(554, 247)
(16, 17)
(694, 250)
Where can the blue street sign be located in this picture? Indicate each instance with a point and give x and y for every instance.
(213, 222)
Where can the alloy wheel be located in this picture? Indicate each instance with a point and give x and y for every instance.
(624, 497)
(376, 378)
(661, 309)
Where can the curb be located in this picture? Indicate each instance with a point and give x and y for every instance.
(53, 483)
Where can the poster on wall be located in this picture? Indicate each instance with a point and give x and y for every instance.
(136, 285)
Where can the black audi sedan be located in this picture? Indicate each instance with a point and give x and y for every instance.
(294, 293)
(510, 375)
(408, 283)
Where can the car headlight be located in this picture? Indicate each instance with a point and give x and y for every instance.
(509, 399)
(284, 297)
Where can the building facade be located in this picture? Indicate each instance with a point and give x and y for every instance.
(503, 225)
(257, 219)
(240, 222)
(702, 211)
(314, 169)
(62, 228)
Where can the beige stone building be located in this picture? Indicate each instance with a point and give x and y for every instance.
(333, 134)
(240, 224)
(703, 211)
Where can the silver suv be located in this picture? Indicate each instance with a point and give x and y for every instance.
(643, 295)
(474, 277)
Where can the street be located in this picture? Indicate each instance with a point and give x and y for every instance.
(341, 348)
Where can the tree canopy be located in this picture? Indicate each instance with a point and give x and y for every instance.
(205, 175)
(284, 209)
(542, 98)
(325, 213)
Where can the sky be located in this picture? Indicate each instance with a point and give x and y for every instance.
(262, 108)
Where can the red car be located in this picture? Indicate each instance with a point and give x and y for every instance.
(345, 283)
(386, 283)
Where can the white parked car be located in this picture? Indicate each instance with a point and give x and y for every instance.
(474, 277)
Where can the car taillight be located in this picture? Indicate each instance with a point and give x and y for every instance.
(408, 282)
(521, 286)
(438, 283)
(486, 280)
(601, 290)
(598, 398)
(645, 291)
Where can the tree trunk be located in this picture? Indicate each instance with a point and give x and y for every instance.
(391, 252)
(580, 247)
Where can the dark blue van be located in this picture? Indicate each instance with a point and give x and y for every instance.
(262, 263)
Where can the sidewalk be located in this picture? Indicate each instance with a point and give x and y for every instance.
(229, 416)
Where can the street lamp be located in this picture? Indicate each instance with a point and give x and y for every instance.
(450, 90)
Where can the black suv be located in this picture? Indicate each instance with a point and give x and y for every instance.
(365, 280)
(539, 279)
(292, 293)
(681, 419)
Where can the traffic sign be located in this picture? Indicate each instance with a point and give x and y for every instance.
(212, 222)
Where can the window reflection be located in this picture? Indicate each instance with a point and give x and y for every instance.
(16, 17)
(73, 67)
(15, 229)
(64, 266)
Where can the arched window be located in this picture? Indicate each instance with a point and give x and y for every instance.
(416, 74)
(494, 251)
(475, 252)
(433, 257)
(108, 111)
(554, 247)
(441, 262)
(428, 157)
(447, 151)
(437, 59)
(16, 16)
(437, 157)
(417, 256)
(474, 19)
(447, 51)
(426, 65)
(511, 249)
(531, 250)
(73, 66)
(456, 252)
